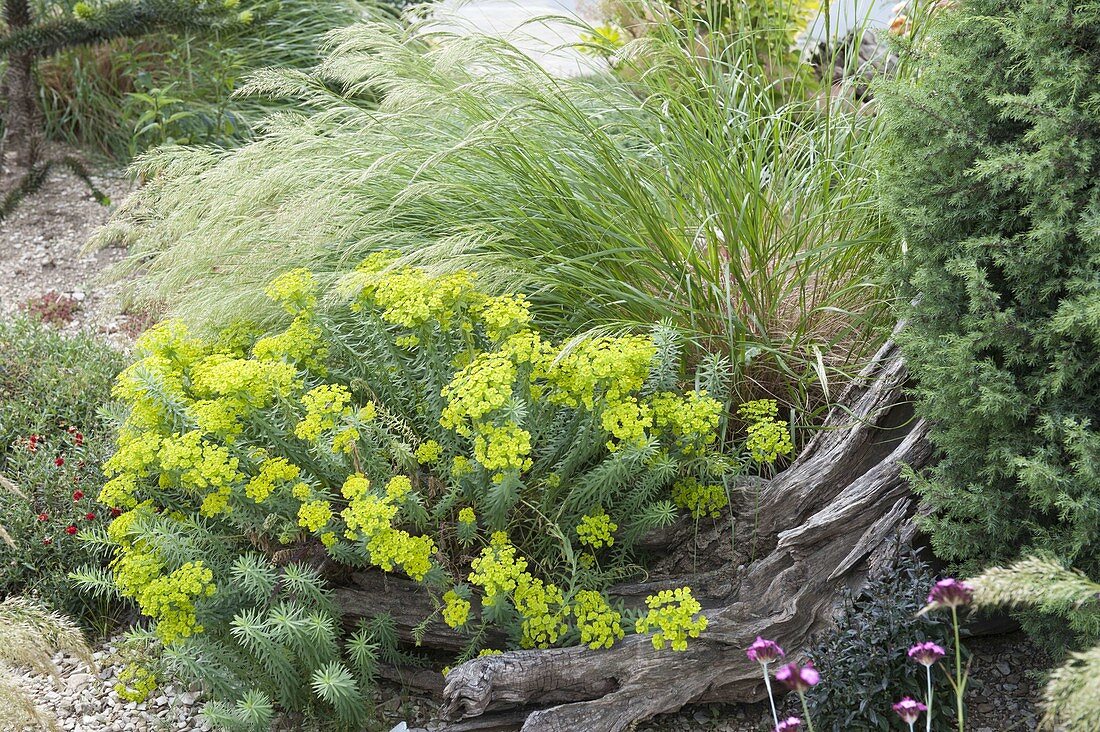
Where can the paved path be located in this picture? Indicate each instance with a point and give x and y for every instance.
(547, 41)
(544, 40)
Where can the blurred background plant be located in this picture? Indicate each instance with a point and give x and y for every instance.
(53, 437)
(770, 26)
(176, 87)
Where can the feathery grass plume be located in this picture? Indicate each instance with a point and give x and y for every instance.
(1038, 582)
(11, 487)
(29, 637)
(1072, 695)
(689, 192)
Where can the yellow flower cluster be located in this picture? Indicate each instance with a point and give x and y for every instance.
(272, 472)
(119, 492)
(398, 487)
(200, 466)
(599, 625)
(543, 610)
(596, 530)
(170, 600)
(461, 466)
(136, 454)
(768, 436)
(134, 569)
(429, 452)
(295, 290)
(701, 500)
(135, 683)
(467, 516)
(614, 366)
(503, 447)
(369, 516)
(627, 421)
(408, 296)
(255, 382)
(501, 573)
(215, 502)
(394, 547)
(456, 611)
(503, 316)
(672, 614)
(302, 343)
(314, 515)
(496, 569)
(692, 419)
(170, 340)
(479, 389)
(355, 486)
(475, 396)
(324, 405)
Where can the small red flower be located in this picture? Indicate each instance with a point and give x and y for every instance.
(116, 512)
(43, 516)
(77, 495)
(59, 461)
(89, 516)
(47, 541)
(78, 438)
(70, 529)
(32, 443)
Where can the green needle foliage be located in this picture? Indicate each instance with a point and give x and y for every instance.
(992, 170)
(687, 189)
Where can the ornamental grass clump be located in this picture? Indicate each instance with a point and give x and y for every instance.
(29, 637)
(690, 190)
(1071, 699)
(419, 427)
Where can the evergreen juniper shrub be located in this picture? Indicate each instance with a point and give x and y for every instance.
(992, 175)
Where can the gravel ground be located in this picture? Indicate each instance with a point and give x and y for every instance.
(42, 257)
(85, 699)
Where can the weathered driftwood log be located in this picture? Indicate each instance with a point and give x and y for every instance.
(822, 525)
